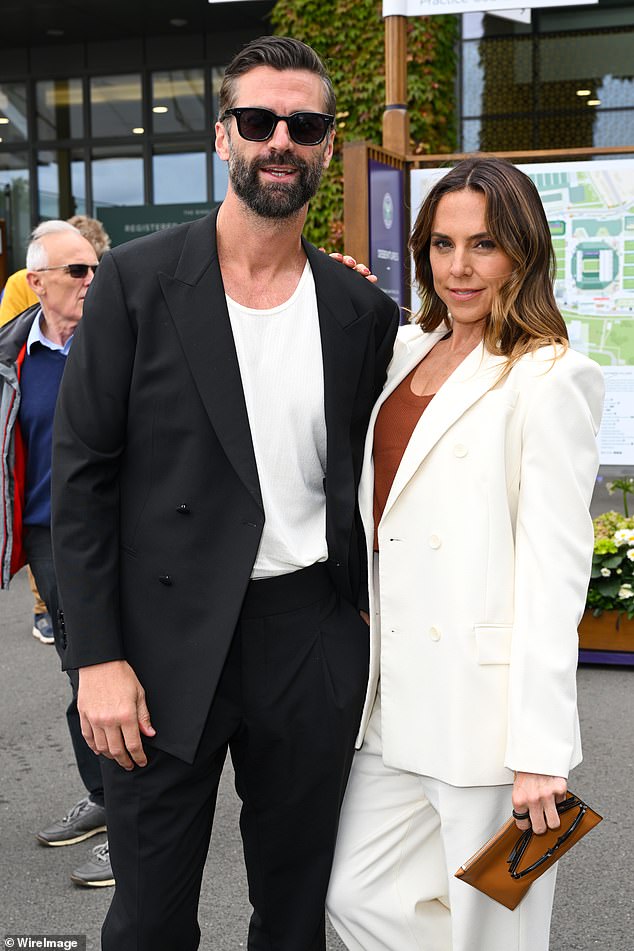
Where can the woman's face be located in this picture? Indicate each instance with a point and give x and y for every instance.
(467, 265)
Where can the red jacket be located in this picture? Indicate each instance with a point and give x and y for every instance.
(13, 337)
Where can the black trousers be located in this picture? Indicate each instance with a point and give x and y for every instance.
(287, 707)
(37, 545)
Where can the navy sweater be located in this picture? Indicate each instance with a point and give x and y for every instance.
(39, 385)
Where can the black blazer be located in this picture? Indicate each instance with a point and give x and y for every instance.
(157, 512)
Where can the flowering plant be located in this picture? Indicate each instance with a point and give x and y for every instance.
(612, 579)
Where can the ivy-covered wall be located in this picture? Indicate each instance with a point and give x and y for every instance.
(349, 35)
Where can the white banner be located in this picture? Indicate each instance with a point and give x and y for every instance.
(414, 8)
(518, 16)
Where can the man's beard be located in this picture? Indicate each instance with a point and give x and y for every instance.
(273, 200)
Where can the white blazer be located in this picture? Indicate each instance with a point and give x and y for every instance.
(485, 552)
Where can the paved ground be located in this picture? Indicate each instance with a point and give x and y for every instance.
(594, 908)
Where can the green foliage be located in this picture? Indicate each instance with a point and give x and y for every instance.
(612, 579)
(349, 35)
(626, 486)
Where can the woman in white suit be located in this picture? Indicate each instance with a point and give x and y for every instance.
(478, 472)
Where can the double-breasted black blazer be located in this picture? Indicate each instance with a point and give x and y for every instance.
(157, 512)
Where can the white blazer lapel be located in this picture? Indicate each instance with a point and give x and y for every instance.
(470, 380)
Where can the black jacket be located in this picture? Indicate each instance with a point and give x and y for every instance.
(157, 514)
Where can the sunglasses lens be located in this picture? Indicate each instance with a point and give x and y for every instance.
(256, 124)
(79, 271)
(307, 128)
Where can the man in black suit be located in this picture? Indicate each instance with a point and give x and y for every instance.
(209, 438)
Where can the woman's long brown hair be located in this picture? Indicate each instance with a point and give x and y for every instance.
(524, 315)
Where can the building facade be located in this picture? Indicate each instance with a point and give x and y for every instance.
(112, 106)
(566, 80)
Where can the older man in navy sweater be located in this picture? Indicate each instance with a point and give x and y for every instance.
(33, 349)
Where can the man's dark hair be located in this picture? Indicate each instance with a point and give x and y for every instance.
(278, 52)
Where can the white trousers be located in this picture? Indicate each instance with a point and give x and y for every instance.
(401, 839)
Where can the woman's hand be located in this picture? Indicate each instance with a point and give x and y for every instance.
(538, 795)
(351, 263)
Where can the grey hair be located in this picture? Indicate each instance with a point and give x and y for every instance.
(36, 254)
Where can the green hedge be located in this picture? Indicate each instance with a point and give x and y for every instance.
(349, 35)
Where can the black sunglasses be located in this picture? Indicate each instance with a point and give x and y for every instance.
(258, 125)
(78, 271)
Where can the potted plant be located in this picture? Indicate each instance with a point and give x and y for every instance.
(608, 621)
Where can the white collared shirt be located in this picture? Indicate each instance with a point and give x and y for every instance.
(36, 336)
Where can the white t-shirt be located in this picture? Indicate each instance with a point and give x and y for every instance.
(279, 354)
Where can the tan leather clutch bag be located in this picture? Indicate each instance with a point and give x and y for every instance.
(507, 865)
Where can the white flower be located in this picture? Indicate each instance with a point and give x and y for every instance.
(624, 536)
(619, 571)
(625, 591)
(606, 572)
(630, 554)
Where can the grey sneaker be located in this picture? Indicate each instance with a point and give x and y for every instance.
(96, 872)
(42, 628)
(86, 818)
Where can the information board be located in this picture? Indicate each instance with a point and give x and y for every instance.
(387, 234)
(125, 222)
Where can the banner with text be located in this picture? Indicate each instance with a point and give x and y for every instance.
(125, 222)
(419, 8)
(387, 229)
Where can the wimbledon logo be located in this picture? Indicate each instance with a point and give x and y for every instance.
(388, 211)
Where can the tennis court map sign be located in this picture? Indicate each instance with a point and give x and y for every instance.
(590, 211)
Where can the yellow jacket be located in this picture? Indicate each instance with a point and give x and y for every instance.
(17, 297)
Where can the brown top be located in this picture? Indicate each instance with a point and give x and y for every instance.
(395, 423)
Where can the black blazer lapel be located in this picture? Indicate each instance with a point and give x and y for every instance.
(195, 298)
(344, 348)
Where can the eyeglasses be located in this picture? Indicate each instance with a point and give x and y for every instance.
(522, 843)
(258, 125)
(78, 271)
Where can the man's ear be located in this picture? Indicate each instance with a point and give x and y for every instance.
(34, 280)
(222, 141)
(330, 147)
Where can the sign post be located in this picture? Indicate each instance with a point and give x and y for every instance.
(396, 116)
